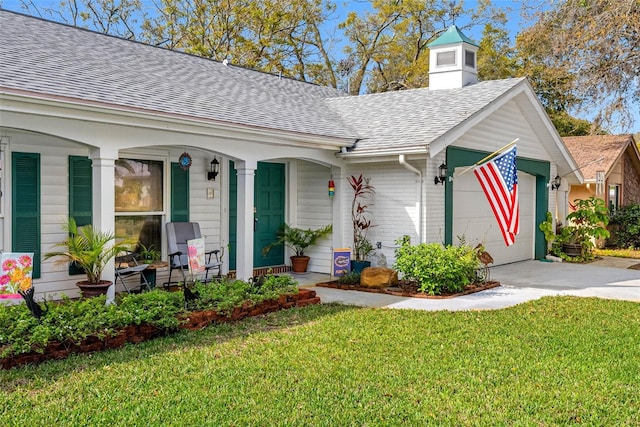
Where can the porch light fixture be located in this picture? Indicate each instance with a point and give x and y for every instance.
(442, 174)
(215, 169)
(555, 184)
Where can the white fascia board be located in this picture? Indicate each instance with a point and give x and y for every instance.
(572, 167)
(383, 155)
(108, 114)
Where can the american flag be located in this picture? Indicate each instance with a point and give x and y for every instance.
(499, 181)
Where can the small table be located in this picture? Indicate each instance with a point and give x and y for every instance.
(149, 273)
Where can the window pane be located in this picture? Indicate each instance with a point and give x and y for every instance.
(469, 58)
(446, 58)
(142, 229)
(138, 185)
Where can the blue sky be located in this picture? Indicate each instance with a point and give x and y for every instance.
(515, 23)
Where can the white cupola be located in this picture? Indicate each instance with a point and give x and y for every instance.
(452, 60)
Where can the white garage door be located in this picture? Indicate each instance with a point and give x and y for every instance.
(474, 219)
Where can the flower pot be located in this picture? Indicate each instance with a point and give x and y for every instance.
(358, 266)
(572, 249)
(90, 290)
(299, 263)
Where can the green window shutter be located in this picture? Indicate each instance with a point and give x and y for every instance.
(179, 193)
(80, 195)
(25, 206)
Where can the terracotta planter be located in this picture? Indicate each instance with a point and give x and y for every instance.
(299, 263)
(90, 290)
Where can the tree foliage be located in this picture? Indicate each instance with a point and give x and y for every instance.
(585, 55)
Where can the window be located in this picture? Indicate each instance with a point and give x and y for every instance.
(139, 201)
(614, 198)
(445, 59)
(469, 58)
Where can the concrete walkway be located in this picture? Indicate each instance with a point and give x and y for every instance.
(520, 282)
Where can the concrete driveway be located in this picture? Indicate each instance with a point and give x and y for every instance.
(520, 282)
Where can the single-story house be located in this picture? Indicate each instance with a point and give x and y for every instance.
(610, 165)
(123, 135)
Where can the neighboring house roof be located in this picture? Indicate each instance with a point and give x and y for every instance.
(412, 119)
(451, 36)
(51, 60)
(598, 152)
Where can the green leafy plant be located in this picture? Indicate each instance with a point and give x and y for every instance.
(436, 268)
(548, 229)
(297, 239)
(361, 214)
(352, 278)
(88, 248)
(148, 254)
(626, 227)
(587, 223)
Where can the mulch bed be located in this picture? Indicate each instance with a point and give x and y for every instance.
(408, 289)
(634, 267)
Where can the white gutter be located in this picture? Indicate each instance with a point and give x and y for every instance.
(402, 160)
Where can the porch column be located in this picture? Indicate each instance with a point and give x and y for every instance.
(244, 253)
(338, 201)
(103, 175)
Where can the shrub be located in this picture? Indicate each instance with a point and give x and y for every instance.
(436, 268)
(626, 225)
(352, 278)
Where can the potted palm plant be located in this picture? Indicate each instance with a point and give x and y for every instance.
(298, 239)
(90, 250)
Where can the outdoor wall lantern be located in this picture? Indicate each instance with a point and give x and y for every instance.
(442, 175)
(215, 169)
(555, 184)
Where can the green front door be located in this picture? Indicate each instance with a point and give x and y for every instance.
(268, 213)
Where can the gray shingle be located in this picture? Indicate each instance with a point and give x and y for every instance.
(58, 60)
(414, 118)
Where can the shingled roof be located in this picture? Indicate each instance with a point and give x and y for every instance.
(412, 119)
(587, 150)
(53, 60)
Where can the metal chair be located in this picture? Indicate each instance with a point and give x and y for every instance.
(178, 233)
(127, 266)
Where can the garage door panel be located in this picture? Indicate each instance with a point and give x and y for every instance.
(474, 221)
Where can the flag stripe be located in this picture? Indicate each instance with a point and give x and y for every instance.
(499, 181)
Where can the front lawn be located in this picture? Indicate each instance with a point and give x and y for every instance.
(555, 361)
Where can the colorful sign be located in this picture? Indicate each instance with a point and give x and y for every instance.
(195, 253)
(17, 269)
(341, 261)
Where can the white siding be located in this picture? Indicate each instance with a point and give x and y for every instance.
(313, 208)
(395, 206)
(499, 129)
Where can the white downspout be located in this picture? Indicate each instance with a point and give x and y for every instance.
(402, 160)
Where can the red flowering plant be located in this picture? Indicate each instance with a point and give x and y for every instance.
(16, 274)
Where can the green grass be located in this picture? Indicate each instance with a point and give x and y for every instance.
(620, 253)
(555, 361)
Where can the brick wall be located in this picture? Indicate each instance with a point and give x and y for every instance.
(631, 182)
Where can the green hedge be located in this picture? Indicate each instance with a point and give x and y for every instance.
(74, 320)
(437, 269)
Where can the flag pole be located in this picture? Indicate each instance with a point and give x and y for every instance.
(490, 156)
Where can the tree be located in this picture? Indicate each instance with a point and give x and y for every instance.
(116, 17)
(387, 46)
(584, 55)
